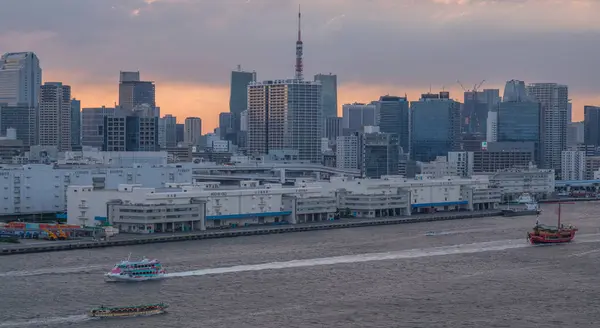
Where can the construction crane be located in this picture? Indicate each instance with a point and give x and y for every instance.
(475, 87)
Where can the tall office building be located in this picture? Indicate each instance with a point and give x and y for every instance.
(22, 118)
(569, 112)
(591, 123)
(54, 116)
(75, 123)
(515, 91)
(394, 117)
(284, 115)
(167, 132)
(92, 125)
(356, 116)
(226, 125)
(379, 153)
(238, 98)
(180, 128)
(333, 128)
(435, 126)
(137, 131)
(134, 92)
(477, 105)
(192, 130)
(20, 79)
(554, 100)
(328, 96)
(575, 134)
(519, 117)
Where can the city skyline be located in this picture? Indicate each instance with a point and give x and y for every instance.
(192, 78)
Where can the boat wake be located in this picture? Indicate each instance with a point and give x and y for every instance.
(499, 245)
(47, 271)
(405, 254)
(47, 321)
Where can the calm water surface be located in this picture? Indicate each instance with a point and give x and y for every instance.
(475, 273)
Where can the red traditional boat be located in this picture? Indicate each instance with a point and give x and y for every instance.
(543, 234)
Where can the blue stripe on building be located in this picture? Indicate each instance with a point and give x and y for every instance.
(462, 202)
(246, 215)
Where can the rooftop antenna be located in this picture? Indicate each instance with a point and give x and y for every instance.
(239, 68)
(299, 48)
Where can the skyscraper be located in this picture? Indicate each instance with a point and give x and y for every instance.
(226, 131)
(22, 118)
(20, 79)
(591, 127)
(328, 94)
(75, 123)
(238, 98)
(284, 115)
(192, 130)
(54, 116)
(394, 117)
(554, 100)
(435, 126)
(133, 92)
(167, 131)
(355, 116)
(92, 125)
(476, 108)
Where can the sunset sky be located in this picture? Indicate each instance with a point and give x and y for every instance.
(376, 47)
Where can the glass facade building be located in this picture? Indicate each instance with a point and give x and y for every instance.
(435, 126)
(520, 121)
(394, 117)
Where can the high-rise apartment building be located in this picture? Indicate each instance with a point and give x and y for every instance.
(329, 106)
(394, 118)
(75, 123)
(347, 152)
(554, 101)
(285, 115)
(573, 165)
(435, 126)
(54, 116)
(492, 126)
(167, 132)
(192, 130)
(134, 92)
(20, 79)
(356, 116)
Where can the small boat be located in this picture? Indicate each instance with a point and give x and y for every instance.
(525, 198)
(531, 209)
(142, 270)
(128, 311)
(544, 234)
(430, 233)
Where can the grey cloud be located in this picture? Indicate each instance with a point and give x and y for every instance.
(200, 41)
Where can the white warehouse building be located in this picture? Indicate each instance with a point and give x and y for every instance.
(187, 207)
(39, 188)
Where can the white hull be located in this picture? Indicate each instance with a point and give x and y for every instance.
(119, 278)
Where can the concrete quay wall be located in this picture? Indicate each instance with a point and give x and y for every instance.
(11, 249)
